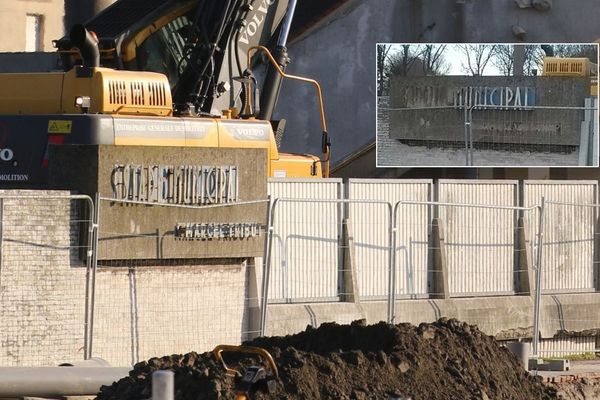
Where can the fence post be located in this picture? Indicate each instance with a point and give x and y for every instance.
(524, 273)
(538, 279)
(392, 262)
(350, 288)
(439, 269)
(96, 229)
(267, 266)
(596, 260)
(471, 134)
(163, 385)
(88, 261)
(467, 123)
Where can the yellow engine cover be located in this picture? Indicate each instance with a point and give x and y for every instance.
(110, 92)
(556, 66)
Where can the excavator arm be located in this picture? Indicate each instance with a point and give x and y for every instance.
(200, 45)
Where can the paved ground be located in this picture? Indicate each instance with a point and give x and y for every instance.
(589, 369)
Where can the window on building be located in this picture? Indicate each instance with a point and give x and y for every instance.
(34, 32)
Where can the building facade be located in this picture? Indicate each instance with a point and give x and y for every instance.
(31, 25)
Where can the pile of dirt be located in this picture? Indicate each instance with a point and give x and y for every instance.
(580, 389)
(446, 359)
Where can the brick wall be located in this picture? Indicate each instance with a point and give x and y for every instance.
(144, 312)
(42, 283)
(141, 311)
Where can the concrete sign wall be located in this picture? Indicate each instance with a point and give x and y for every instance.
(163, 179)
(504, 109)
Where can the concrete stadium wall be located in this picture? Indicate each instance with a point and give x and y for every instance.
(141, 311)
(433, 109)
(504, 317)
(13, 22)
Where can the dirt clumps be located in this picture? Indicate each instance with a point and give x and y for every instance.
(579, 389)
(446, 359)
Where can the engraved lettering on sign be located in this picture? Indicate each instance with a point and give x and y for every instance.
(485, 97)
(181, 184)
(209, 231)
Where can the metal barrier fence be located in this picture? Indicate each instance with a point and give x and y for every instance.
(480, 246)
(328, 250)
(144, 307)
(440, 250)
(489, 135)
(395, 251)
(306, 256)
(45, 263)
(570, 265)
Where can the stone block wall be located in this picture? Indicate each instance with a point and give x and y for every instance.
(42, 282)
(143, 312)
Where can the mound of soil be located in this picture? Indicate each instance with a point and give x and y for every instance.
(443, 360)
(581, 389)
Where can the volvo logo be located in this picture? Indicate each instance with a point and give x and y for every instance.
(254, 24)
(6, 154)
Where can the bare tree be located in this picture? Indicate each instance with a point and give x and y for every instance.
(401, 62)
(589, 51)
(382, 55)
(433, 62)
(503, 59)
(534, 59)
(477, 57)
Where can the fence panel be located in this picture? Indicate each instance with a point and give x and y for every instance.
(371, 243)
(306, 236)
(370, 228)
(569, 222)
(305, 250)
(479, 254)
(480, 241)
(146, 308)
(44, 257)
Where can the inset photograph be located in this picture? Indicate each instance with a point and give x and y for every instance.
(487, 105)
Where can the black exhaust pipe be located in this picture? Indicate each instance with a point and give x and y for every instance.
(87, 44)
(548, 50)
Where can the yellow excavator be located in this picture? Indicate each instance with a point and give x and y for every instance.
(570, 66)
(159, 73)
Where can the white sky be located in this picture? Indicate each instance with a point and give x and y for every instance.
(454, 58)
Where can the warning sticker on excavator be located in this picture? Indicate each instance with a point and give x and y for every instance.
(59, 126)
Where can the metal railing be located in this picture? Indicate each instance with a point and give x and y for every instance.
(492, 135)
(143, 307)
(317, 251)
(386, 254)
